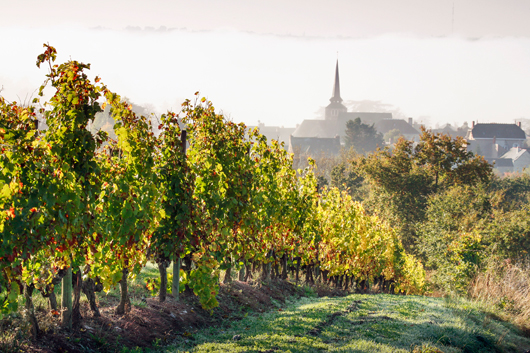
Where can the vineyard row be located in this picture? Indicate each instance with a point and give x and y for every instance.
(85, 209)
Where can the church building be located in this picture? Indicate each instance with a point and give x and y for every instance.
(314, 137)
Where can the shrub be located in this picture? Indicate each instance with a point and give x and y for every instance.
(451, 237)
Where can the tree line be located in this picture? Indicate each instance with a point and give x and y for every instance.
(448, 207)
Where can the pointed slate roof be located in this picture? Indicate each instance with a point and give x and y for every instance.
(335, 95)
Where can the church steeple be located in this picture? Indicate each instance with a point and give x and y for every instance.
(335, 98)
(334, 108)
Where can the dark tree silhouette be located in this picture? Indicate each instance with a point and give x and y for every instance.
(362, 137)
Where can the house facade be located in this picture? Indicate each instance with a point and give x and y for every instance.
(494, 140)
(501, 145)
(501, 165)
(304, 147)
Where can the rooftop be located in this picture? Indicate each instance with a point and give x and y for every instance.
(385, 125)
(332, 128)
(500, 162)
(500, 131)
(314, 146)
(514, 153)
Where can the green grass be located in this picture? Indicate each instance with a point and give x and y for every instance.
(362, 323)
(355, 323)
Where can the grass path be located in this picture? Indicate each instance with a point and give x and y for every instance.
(362, 323)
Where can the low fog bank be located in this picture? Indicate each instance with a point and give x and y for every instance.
(281, 80)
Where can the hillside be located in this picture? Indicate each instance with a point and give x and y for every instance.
(363, 323)
(279, 317)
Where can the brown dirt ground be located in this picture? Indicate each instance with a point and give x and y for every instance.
(160, 322)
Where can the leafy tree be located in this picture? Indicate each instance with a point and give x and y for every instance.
(346, 178)
(392, 135)
(466, 224)
(448, 161)
(399, 187)
(404, 178)
(324, 164)
(322, 181)
(515, 190)
(451, 237)
(340, 172)
(362, 137)
(508, 234)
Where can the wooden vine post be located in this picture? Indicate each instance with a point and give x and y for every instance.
(66, 302)
(175, 289)
(242, 261)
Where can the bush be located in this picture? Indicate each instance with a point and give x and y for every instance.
(451, 237)
(508, 234)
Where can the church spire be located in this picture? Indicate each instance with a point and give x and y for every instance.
(335, 98)
(335, 108)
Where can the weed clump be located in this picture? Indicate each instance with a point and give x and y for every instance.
(506, 286)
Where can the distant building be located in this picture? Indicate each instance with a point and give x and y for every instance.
(332, 128)
(406, 129)
(335, 108)
(280, 134)
(501, 165)
(304, 147)
(501, 145)
(494, 140)
(520, 158)
(449, 130)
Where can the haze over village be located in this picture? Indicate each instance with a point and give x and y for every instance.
(445, 66)
(269, 176)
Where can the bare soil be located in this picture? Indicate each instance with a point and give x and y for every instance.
(155, 322)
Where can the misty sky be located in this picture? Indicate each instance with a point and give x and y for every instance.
(274, 61)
